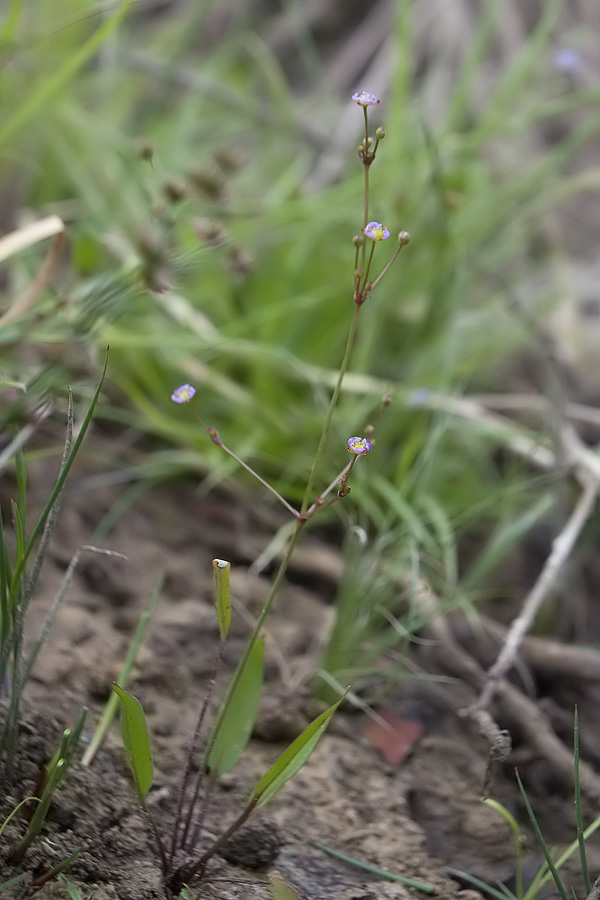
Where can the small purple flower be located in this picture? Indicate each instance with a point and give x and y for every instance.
(376, 231)
(183, 394)
(365, 98)
(358, 445)
(567, 60)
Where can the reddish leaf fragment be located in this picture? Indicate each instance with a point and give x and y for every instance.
(395, 741)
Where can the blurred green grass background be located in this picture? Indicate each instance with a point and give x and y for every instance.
(202, 156)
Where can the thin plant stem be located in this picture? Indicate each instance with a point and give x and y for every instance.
(214, 848)
(361, 294)
(389, 265)
(215, 438)
(159, 842)
(332, 406)
(195, 835)
(191, 754)
(366, 213)
(366, 167)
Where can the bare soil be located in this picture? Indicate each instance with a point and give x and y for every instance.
(412, 818)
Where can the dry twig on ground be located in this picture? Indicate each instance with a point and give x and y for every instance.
(517, 710)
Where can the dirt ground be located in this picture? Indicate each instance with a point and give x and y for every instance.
(413, 816)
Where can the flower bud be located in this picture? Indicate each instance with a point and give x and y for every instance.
(174, 189)
(145, 149)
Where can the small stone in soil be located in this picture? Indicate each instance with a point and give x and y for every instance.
(254, 846)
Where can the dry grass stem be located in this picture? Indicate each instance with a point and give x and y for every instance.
(21, 239)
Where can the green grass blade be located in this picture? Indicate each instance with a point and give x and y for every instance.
(236, 718)
(580, 836)
(481, 886)
(10, 24)
(63, 473)
(478, 46)
(514, 827)
(542, 842)
(221, 569)
(507, 537)
(110, 710)
(501, 101)
(52, 86)
(381, 873)
(41, 811)
(16, 810)
(544, 876)
(136, 741)
(292, 759)
(13, 882)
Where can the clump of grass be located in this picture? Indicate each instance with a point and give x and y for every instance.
(20, 568)
(550, 868)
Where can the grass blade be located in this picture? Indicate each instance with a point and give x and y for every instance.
(13, 882)
(110, 710)
(580, 836)
(52, 86)
(381, 873)
(514, 827)
(541, 841)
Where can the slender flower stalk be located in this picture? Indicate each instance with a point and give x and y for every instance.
(332, 406)
(184, 394)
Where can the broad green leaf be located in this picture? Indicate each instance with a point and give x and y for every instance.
(136, 740)
(292, 759)
(221, 568)
(236, 719)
